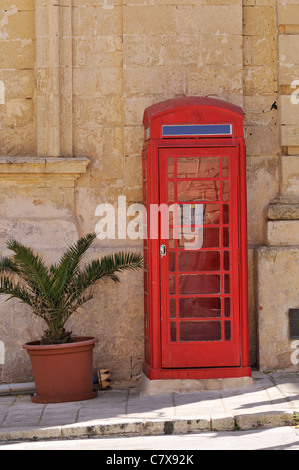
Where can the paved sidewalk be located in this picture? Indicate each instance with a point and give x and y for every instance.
(272, 400)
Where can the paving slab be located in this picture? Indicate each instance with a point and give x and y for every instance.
(272, 400)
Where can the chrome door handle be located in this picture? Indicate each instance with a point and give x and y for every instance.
(163, 250)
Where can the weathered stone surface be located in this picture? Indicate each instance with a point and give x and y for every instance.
(77, 77)
(278, 267)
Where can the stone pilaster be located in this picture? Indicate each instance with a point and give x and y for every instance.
(53, 24)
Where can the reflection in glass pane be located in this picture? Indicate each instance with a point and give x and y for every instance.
(198, 167)
(199, 261)
(198, 190)
(225, 167)
(170, 167)
(170, 191)
(198, 307)
(172, 332)
(199, 284)
(225, 190)
(200, 331)
(211, 214)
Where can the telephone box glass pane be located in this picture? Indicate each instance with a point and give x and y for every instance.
(200, 307)
(170, 191)
(211, 237)
(225, 190)
(172, 332)
(199, 261)
(200, 331)
(208, 214)
(226, 263)
(172, 288)
(198, 167)
(226, 283)
(172, 308)
(227, 307)
(198, 190)
(172, 261)
(227, 331)
(225, 167)
(225, 213)
(226, 237)
(211, 214)
(199, 284)
(170, 167)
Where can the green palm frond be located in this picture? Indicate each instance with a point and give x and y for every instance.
(8, 287)
(55, 293)
(108, 266)
(69, 264)
(32, 269)
(7, 265)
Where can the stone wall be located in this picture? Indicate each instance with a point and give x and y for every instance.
(78, 76)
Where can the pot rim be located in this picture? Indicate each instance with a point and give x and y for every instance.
(78, 341)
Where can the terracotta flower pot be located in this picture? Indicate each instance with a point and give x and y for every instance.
(62, 372)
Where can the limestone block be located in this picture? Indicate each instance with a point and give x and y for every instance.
(260, 79)
(133, 140)
(17, 54)
(262, 140)
(289, 135)
(225, 49)
(277, 293)
(19, 4)
(90, 111)
(259, 21)
(17, 113)
(209, 19)
(289, 111)
(84, 21)
(288, 14)
(149, 19)
(262, 186)
(18, 141)
(20, 25)
(288, 59)
(290, 175)
(109, 81)
(283, 232)
(18, 83)
(221, 81)
(109, 21)
(153, 80)
(259, 50)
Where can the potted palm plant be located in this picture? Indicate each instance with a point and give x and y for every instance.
(61, 363)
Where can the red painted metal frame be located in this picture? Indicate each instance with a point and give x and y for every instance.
(191, 110)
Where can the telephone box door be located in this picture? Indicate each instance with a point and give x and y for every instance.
(199, 260)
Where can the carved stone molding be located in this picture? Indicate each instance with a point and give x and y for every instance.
(41, 172)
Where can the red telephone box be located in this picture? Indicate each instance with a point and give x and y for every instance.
(195, 242)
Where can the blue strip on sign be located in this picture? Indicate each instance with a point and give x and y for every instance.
(197, 129)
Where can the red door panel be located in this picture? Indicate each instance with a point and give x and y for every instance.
(199, 262)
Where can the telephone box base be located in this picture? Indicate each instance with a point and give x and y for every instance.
(196, 374)
(163, 386)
